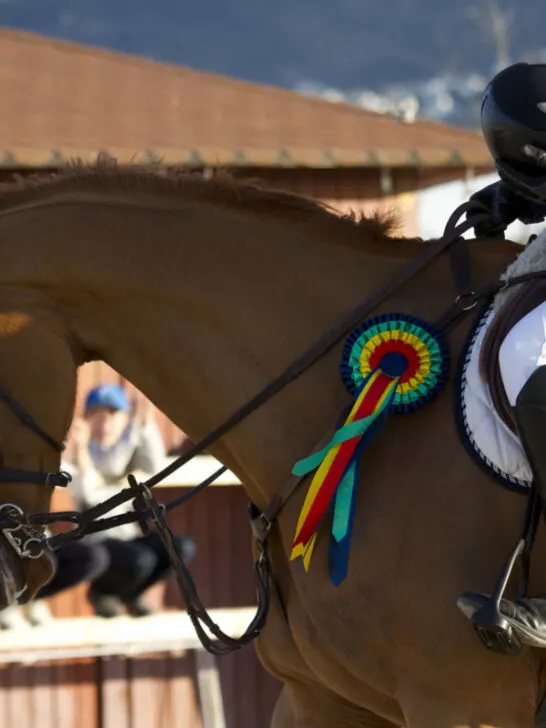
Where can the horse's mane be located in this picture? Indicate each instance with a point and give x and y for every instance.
(222, 188)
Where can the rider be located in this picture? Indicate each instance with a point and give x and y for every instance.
(513, 119)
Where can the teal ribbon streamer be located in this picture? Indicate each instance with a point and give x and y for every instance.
(343, 500)
(347, 432)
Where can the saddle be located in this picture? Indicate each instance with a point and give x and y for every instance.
(517, 306)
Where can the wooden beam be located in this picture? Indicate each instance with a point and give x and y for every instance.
(73, 637)
(210, 690)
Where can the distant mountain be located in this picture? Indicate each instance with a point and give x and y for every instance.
(452, 98)
(348, 45)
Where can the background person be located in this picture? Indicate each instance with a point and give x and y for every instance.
(112, 439)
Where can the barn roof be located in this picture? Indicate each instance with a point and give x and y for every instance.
(62, 100)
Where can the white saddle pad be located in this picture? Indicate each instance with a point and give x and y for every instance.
(482, 430)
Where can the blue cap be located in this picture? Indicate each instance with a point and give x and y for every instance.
(108, 395)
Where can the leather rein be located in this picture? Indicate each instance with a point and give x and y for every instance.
(29, 542)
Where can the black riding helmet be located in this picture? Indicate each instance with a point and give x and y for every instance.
(513, 118)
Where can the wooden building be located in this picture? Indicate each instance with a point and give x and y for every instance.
(62, 101)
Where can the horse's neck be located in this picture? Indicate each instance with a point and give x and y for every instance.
(200, 309)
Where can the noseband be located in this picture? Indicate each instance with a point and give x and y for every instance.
(29, 542)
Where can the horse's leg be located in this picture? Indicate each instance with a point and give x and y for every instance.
(283, 715)
(455, 716)
(302, 707)
(494, 711)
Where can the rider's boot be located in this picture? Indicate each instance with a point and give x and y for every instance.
(526, 617)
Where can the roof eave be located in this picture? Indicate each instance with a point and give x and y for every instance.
(203, 157)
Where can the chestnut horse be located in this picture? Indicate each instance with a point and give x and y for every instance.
(200, 292)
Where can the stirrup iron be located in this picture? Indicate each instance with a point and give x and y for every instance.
(491, 625)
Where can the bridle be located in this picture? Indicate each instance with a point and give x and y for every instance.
(26, 541)
(22, 530)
